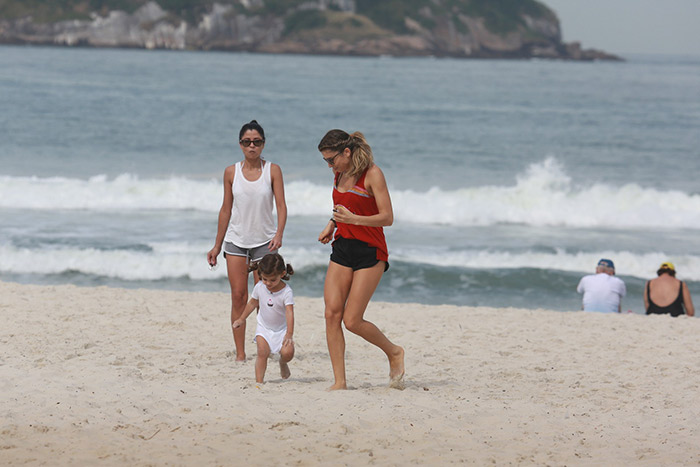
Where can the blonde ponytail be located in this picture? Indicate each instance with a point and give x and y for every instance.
(361, 158)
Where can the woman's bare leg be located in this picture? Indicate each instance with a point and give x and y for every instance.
(238, 278)
(335, 293)
(363, 285)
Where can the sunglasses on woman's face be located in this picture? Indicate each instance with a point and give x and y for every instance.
(331, 160)
(257, 142)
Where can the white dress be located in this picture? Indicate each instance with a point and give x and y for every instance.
(272, 320)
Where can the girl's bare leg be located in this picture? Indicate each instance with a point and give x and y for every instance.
(364, 283)
(238, 279)
(261, 360)
(286, 355)
(335, 293)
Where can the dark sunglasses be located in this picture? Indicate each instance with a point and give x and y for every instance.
(331, 160)
(256, 142)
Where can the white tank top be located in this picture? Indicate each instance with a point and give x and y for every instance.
(252, 223)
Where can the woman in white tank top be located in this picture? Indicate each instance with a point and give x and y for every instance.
(247, 230)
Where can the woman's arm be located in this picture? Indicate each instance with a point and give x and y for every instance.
(644, 295)
(375, 183)
(280, 204)
(688, 302)
(326, 234)
(224, 214)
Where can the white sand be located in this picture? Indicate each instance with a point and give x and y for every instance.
(101, 376)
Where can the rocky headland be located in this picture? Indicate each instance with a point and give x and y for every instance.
(442, 28)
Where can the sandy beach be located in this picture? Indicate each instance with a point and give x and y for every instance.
(104, 376)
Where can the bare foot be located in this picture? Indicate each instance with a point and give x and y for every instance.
(337, 386)
(240, 358)
(284, 370)
(396, 370)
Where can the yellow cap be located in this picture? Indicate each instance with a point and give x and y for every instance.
(667, 265)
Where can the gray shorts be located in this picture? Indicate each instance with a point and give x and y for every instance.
(252, 254)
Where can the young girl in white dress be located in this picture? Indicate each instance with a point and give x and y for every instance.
(276, 315)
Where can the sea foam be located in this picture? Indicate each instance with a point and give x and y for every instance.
(169, 260)
(161, 260)
(544, 195)
(642, 266)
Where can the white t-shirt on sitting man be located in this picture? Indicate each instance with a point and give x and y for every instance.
(601, 292)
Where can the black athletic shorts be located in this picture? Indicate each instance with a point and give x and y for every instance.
(354, 254)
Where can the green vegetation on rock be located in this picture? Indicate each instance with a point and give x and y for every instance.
(304, 20)
(390, 14)
(500, 16)
(344, 26)
(49, 11)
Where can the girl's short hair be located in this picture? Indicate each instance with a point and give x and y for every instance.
(361, 157)
(252, 125)
(273, 263)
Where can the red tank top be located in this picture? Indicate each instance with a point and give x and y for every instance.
(358, 201)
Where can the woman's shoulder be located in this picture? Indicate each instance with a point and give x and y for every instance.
(229, 173)
(667, 278)
(274, 167)
(230, 169)
(665, 281)
(373, 171)
(374, 174)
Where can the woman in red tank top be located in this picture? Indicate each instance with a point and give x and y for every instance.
(361, 208)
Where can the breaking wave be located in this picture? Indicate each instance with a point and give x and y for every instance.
(544, 195)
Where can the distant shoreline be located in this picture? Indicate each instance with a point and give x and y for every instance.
(619, 58)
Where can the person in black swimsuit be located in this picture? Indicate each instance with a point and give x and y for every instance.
(664, 289)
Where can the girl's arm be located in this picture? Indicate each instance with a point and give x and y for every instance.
(224, 214)
(289, 314)
(280, 204)
(252, 305)
(376, 185)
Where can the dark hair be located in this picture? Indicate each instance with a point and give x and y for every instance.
(361, 156)
(670, 272)
(273, 263)
(252, 125)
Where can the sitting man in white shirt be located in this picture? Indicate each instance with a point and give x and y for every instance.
(602, 291)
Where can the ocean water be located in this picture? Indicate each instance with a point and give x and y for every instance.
(509, 179)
